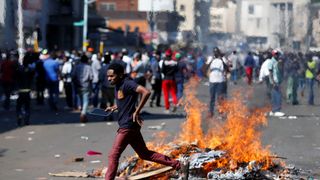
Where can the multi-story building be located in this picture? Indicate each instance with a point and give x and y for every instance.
(254, 22)
(223, 17)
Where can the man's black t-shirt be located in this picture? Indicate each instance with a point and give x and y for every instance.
(126, 99)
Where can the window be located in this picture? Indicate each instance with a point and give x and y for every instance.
(182, 7)
(258, 22)
(108, 6)
(251, 9)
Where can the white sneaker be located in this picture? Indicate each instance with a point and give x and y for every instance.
(167, 111)
(271, 113)
(279, 114)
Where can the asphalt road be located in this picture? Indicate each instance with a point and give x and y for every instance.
(53, 140)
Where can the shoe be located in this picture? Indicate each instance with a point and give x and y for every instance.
(83, 118)
(19, 120)
(279, 114)
(271, 113)
(167, 111)
(174, 109)
(151, 103)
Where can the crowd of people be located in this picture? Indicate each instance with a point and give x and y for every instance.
(81, 77)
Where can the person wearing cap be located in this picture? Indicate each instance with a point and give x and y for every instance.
(169, 68)
(275, 81)
(180, 75)
(51, 68)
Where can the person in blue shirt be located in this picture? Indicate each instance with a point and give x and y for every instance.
(127, 92)
(249, 63)
(51, 68)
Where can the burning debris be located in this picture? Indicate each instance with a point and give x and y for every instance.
(206, 164)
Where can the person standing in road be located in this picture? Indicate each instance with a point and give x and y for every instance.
(311, 72)
(7, 78)
(82, 77)
(51, 67)
(127, 92)
(249, 64)
(169, 68)
(24, 74)
(156, 80)
(275, 80)
(216, 79)
(96, 66)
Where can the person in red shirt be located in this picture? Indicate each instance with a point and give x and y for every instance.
(7, 71)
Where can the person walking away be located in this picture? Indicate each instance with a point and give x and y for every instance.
(96, 66)
(249, 65)
(82, 77)
(216, 79)
(156, 80)
(67, 80)
(51, 68)
(234, 67)
(293, 68)
(275, 80)
(24, 79)
(127, 92)
(169, 68)
(7, 71)
(310, 78)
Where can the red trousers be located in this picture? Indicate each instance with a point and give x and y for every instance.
(169, 86)
(249, 71)
(135, 139)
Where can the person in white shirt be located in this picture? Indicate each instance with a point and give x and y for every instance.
(127, 59)
(67, 80)
(96, 66)
(216, 79)
(264, 74)
(235, 64)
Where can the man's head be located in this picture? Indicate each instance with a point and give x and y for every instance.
(44, 54)
(115, 73)
(216, 52)
(275, 53)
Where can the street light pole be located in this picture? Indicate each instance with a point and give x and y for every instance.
(85, 24)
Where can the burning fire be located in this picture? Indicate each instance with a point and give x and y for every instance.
(237, 134)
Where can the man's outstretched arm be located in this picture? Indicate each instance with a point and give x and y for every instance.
(145, 94)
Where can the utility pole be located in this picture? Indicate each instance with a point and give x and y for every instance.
(85, 24)
(20, 31)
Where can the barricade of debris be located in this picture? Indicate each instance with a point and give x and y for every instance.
(205, 164)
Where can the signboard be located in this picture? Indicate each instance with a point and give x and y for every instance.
(78, 23)
(155, 5)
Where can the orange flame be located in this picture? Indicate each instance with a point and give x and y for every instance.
(238, 135)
